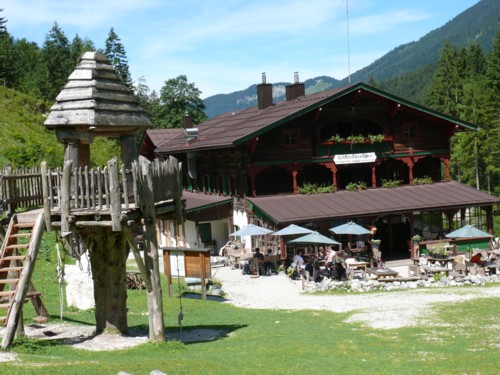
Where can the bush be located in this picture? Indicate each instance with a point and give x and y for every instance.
(422, 180)
(390, 183)
(356, 186)
(310, 188)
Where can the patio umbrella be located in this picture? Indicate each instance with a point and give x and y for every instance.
(291, 230)
(251, 230)
(314, 238)
(468, 232)
(350, 228)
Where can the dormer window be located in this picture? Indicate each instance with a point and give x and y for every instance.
(291, 138)
(410, 132)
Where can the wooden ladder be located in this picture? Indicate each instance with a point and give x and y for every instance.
(17, 261)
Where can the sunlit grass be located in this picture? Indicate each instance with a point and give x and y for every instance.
(452, 338)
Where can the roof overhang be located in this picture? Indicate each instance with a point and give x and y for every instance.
(296, 208)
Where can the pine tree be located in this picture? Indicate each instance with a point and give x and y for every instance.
(493, 107)
(79, 47)
(30, 69)
(57, 56)
(115, 51)
(3, 21)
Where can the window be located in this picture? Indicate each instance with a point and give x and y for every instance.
(290, 138)
(410, 131)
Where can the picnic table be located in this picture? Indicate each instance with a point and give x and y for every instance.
(381, 272)
(431, 270)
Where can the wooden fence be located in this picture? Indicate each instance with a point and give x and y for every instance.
(20, 188)
(108, 190)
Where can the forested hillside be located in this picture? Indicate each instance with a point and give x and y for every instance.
(405, 71)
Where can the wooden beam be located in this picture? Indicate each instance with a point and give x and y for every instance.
(137, 255)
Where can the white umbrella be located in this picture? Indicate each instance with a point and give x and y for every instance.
(251, 230)
(291, 230)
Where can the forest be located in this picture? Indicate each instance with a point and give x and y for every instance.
(464, 83)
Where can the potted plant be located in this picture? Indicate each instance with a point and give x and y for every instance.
(337, 139)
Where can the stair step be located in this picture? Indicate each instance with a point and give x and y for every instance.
(15, 257)
(7, 293)
(3, 319)
(24, 225)
(9, 281)
(8, 269)
(4, 305)
(19, 246)
(18, 235)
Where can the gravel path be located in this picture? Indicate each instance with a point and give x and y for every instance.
(384, 310)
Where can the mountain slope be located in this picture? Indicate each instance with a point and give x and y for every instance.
(478, 24)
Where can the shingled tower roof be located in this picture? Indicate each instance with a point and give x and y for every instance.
(95, 100)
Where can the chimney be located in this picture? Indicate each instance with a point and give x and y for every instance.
(264, 93)
(190, 133)
(296, 89)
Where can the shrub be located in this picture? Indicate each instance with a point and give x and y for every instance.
(337, 138)
(422, 180)
(390, 183)
(356, 139)
(309, 188)
(356, 186)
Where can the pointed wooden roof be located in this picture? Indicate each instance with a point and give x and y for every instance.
(94, 99)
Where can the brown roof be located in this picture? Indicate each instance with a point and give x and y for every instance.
(198, 201)
(230, 129)
(349, 204)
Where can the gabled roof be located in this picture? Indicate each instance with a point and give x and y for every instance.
(231, 129)
(296, 208)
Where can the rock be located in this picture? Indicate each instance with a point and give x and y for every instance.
(80, 287)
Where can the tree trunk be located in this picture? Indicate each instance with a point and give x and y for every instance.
(108, 256)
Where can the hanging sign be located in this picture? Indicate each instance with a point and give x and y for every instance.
(368, 157)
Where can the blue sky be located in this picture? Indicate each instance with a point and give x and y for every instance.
(224, 45)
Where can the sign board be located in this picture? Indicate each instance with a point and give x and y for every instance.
(177, 264)
(367, 157)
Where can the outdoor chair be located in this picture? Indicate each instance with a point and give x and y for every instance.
(256, 267)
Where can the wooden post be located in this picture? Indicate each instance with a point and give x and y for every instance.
(45, 190)
(66, 197)
(114, 191)
(203, 276)
(137, 255)
(144, 181)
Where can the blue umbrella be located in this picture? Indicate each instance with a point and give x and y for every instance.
(469, 232)
(314, 238)
(350, 228)
(251, 230)
(291, 230)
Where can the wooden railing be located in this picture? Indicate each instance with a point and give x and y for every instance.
(20, 188)
(109, 190)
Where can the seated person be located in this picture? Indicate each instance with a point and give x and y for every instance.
(298, 260)
(476, 259)
(258, 254)
(269, 267)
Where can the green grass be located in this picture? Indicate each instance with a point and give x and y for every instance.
(460, 338)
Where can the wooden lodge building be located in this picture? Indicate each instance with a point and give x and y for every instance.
(249, 166)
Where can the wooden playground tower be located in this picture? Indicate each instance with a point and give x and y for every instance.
(95, 210)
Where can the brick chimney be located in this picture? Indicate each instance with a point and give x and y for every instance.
(264, 93)
(190, 133)
(296, 89)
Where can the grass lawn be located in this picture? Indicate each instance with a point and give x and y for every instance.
(460, 338)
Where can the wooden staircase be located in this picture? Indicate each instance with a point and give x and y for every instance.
(17, 261)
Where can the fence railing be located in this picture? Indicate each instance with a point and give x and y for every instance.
(111, 189)
(20, 188)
